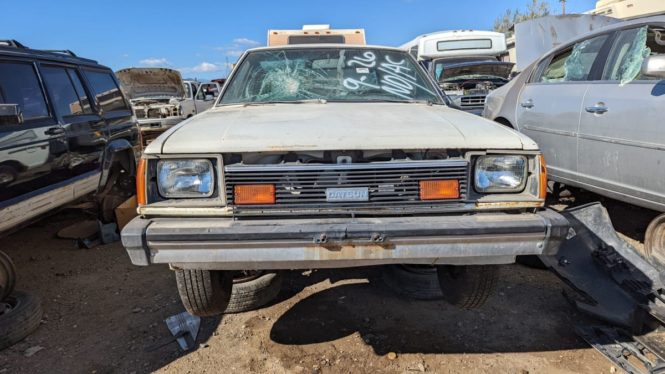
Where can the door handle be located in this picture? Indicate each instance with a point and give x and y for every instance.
(527, 104)
(599, 108)
(54, 131)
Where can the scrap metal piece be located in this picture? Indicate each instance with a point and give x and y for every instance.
(617, 285)
(185, 328)
(619, 347)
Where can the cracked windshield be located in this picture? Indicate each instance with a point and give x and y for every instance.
(296, 75)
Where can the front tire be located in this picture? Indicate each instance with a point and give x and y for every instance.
(252, 290)
(467, 287)
(204, 292)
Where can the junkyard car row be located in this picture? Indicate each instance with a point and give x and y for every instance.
(322, 152)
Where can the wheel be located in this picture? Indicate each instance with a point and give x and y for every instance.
(7, 174)
(204, 292)
(7, 275)
(20, 314)
(252, 290)
(654, 240)
(531, 261)
(467, 287)
(418, 282)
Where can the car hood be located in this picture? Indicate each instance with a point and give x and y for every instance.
(494, 68)
(335, 126)
(150, 82)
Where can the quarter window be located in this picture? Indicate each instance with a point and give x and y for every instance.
(19, 85)
(574, 64)
(106, 91)
(629, 51)
(65, 99)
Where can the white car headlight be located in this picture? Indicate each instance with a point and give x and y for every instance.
(185, 178)
(500, 173)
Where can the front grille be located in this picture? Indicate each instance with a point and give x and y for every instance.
(473, 101)
(391, 185)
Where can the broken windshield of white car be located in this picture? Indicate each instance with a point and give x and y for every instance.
(330, 74)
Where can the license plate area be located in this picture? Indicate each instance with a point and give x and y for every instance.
(349, 194)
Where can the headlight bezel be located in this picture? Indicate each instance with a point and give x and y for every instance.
(498, 189)
(161, 188)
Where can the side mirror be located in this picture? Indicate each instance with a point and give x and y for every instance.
(654, 66)
(10, 114)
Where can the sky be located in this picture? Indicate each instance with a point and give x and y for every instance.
(200, 38)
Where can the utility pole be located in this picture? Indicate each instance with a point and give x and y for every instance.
(563, 6)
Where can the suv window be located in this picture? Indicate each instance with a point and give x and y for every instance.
(629, 51)
(19, 85)
(78, 85)
(62, 92)
(106, 91)
(574, 64)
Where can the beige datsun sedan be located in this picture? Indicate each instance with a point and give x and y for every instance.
(331, 156)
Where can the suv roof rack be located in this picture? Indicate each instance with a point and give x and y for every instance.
(11, 43)
(61, 51)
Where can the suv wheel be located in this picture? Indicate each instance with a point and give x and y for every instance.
(467, 287)
(252, 290)
(204, 292)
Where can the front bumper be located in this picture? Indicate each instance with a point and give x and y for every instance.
(159, 123)
(228, 244)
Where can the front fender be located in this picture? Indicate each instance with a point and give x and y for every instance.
(117, 151)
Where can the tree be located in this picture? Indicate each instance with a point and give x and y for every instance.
(534, 9)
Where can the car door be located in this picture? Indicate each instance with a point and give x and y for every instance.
(549, 105)
(205, 96)
(622, 129)
(87, 133)
(110, 103)
(33, 146)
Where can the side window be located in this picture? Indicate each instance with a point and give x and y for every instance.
(106, 91)
(209, 89)
(200, 94)
(188, 90)
(19, 85)
(574, 64)
(80, 91)
(630, 49)
(61, 90)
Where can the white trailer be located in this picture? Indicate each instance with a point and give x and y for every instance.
(456, 43)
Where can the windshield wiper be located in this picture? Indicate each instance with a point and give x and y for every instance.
(304, 101)
(409, 101)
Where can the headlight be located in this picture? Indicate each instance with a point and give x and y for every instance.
(185, 178)
(500, 173)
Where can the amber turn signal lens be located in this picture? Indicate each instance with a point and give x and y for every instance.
(141, 193)
(439, 189)
(253, 194)
(543, 177)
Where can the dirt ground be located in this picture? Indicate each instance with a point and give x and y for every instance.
(102, 315)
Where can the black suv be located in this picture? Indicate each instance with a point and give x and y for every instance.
(65, 130)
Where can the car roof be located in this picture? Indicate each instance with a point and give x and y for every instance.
(325, 45)
(65, 56)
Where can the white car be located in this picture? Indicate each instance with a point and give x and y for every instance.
(337, 156)
(160, 98)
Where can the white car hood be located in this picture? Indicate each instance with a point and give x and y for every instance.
(335, 126)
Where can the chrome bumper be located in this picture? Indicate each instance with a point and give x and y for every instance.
(227, 244)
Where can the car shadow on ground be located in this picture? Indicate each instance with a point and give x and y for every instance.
(362, 303)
